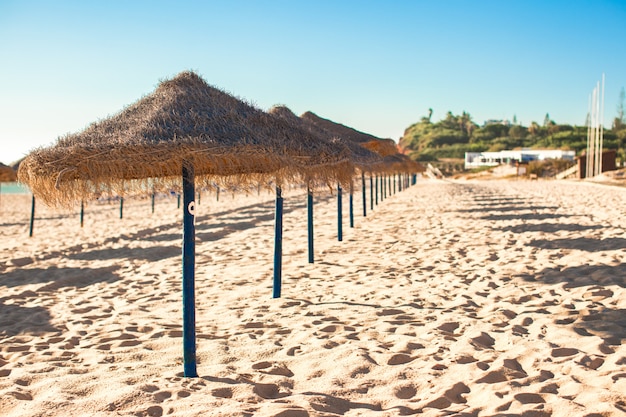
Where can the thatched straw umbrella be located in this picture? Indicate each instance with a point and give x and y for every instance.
(183, 121)
(359, 157)
(383, 147)
(365, 141)
(184, 127)
(7, 174)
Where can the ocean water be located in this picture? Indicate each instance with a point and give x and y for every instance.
(13, 188)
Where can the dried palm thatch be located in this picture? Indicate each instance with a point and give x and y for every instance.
(7, 174)
(143, 147)
(385, 148)
(342, 131)
(400, 163)
(360, 157)
(315, 159)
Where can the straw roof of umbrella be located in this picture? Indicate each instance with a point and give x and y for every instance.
(7, 174)
(144, 146)
(339, 129)
(401, 163)
(392, 160)
(359, 156)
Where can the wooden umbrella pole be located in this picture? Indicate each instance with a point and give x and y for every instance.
(339, 216)
(309, 207)
(189, 255)
(383, 180)
(152, 197)
(82, 212)
(278, 244)
(389, 184)
(399, 183)
(32, 217)
(376, 190)
(394, 183)
(364, 194)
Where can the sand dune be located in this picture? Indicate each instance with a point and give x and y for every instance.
(493, 298)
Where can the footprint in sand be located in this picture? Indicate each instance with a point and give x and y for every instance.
(225, 392)
(405, 392)
(272, 368)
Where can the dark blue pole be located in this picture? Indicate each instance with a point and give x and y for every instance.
(394, 183)
(178, 205)
(364, 194)
(399, 183)
(217, 194)
(376, 190)
(278, 244)
(189, 261)
(383, 180)
(339, 216)
(32, 217)
(121, 207)
(389, 184)
(351, 205)
(82, 212)
(152, 203)
(309, 207)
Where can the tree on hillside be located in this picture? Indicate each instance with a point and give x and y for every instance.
(533, 129)
(547, 122)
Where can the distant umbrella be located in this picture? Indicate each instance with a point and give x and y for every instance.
(359, 158)
(7, 174)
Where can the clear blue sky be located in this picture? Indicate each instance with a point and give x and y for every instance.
(374, 65)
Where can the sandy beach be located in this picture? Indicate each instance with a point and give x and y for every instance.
(462, 298)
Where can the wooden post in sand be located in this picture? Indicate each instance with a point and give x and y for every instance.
(339, 216)
(189, 260)
(376, 190)
(351, 205)
(32, 217)
(383, 184)
(278, 244)
(82, 212)
(364, 194)
(309, 209)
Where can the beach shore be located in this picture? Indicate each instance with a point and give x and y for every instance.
(466, 298)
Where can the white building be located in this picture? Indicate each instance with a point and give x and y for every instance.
(490, 159)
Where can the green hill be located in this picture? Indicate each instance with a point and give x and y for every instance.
(454, 135)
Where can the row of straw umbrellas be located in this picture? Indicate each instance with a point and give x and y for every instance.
(190, 129)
